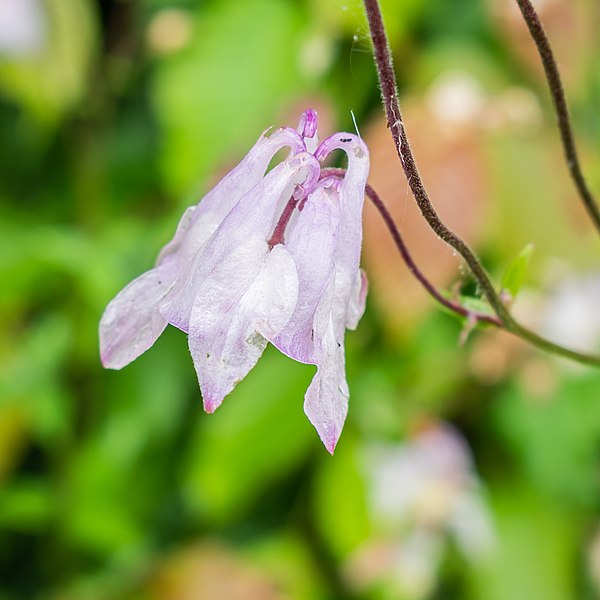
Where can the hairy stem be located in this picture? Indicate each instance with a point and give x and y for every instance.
(408, 260)
(389, 94)
(560, 105)
(410, 263)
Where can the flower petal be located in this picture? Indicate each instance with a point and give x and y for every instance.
(201, 221)
(246, 299)
(253, 216)
(131, 322)
(311, 243)
(326, 399)
(352, 192)
(343, 301)
(358, 300)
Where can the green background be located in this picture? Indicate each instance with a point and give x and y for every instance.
(116, 485)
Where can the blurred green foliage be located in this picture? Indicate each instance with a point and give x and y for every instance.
(116, 484)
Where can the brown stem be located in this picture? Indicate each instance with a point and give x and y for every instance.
(515, 328)
(389, 94)
(560, 105)
(401, 246)
(410, 263)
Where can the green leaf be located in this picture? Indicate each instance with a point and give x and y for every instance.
(515, 273)
(471, 303)
(477, 305)
(217, 95)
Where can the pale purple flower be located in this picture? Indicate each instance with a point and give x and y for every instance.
(262, 258)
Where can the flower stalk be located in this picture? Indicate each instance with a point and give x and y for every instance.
(412, 266)
(389, 94)
(560, 106)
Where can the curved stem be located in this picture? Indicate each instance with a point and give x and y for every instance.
(389, 94)
(560, 105)
(513, 327)
(401, 246)
(544, 344)
(410, 263)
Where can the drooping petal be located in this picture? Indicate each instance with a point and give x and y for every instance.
(201, 221)
(254, 216)
(311, 244)
(131, 322)
(352, 192)
(235, 311)
(358, 300)
(326, 399)
(343, 302)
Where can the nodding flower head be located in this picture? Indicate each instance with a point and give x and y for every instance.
(263, 257)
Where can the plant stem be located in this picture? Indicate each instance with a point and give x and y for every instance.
(401, 246)
(560, 105)
(410, 263)
(389, 94)
(544, 344)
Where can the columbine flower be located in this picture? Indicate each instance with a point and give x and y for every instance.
(261, 258)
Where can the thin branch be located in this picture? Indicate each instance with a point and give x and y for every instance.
(410, 263)
(408, 260)
(560, 105)
(389, 94)
(548, 346)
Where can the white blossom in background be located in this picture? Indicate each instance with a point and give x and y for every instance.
(456, 97)
(570, 315)
(421, 494)
(22, 27)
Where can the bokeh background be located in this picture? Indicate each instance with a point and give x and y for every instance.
(466, 470)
